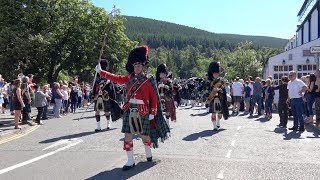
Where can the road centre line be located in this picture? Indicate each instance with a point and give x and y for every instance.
(2, 171)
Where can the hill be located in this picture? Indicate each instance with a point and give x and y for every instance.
(157, 33)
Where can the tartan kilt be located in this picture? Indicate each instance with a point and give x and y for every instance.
(106, 106)
(170, 107)
(213, 109)
(144, 120)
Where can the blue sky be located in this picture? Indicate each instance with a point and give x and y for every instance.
(276, 18)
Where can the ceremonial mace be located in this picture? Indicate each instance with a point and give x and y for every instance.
(111, 15)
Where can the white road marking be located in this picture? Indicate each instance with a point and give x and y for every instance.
(220, 175)
(2, 171)
(229, 153)
(233, 143)
(60, 142)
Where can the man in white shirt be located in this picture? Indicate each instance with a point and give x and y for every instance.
(295, 89)
(237, 90)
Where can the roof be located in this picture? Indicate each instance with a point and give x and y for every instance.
(303, 7)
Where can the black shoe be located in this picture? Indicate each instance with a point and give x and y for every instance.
(215, 129)
(301, 129)
(97, 130)
(218, 127)
(108, 128)
(44, 118)
(126, 168)
(149, 159)
(293, 128)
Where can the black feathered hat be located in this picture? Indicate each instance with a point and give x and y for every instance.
(162, 68)
(104, 64)
(214, 67)
(137, 55)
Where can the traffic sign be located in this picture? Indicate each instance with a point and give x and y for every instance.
(315, 49)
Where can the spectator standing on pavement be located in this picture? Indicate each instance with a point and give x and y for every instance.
(57, 100)
(247, 97)
(282, 102)
(257, 96)
(317, 98)
(45, 107)
(269, 96)
(237, 90)
(65, 99)
(296, 88)
(25, 88)
(74, 99)
(18, 103)
(10, 93)
(310, 97)
(39, 102)
(79, 90)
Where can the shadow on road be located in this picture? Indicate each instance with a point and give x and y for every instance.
(292, 135)
(280, 130)
(85, 117)
(74, 136)
(200, 114)
(135, 136)
(262, 119)
(117, 173)
(202, 134)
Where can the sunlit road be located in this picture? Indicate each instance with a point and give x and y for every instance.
(244, 148)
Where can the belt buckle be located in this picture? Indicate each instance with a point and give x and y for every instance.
(133, 109)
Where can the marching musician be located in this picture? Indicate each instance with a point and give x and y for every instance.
(217, 99)
(165, 87)
(142, 114)
(104, 94)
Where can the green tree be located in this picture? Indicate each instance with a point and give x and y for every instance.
(44, 37)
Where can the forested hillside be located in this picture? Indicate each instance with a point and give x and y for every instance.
(188, 51)
(159, 33)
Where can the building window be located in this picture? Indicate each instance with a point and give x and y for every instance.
(305, 68)
(280, 68)
(290, 56)
(290, 68)
(279, 71)
(299, 67)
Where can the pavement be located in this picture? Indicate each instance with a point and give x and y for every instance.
(7, 123)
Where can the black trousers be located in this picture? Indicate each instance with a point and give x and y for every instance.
(40, 112)
(283, 112)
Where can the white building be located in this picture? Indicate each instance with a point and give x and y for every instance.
(297, 54)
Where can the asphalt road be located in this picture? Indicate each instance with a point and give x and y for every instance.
(244, 148)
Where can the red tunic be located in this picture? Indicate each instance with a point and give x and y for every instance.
(145, 93)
